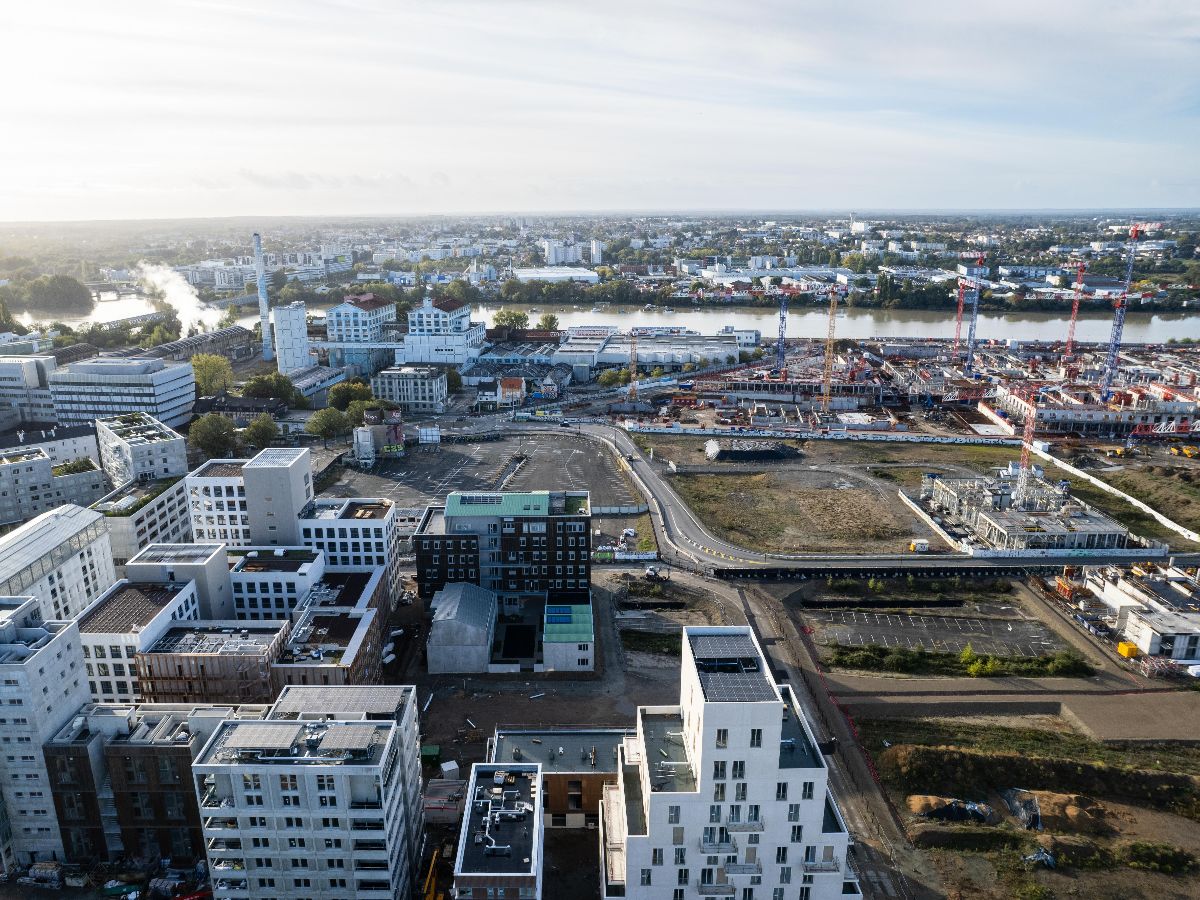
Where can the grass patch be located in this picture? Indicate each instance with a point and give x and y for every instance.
(872, 658)
(1172, 490)
(1027, 742)
(74, 467)
(1158, 858)
(920, 588)
(647, 642)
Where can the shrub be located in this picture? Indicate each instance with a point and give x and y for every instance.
(1158, 858)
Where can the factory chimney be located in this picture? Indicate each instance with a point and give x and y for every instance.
(264, 310)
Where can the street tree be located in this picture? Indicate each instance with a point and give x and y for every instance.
(213, 435)
(548, 322)
(327, 423)
(214, 373)
(261, 432)
(341, 395)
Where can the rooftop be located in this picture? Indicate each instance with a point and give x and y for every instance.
(561, 749)
(265, 742)
(127, 500)
(35, 434)
(274, 457)
(271, 559)
(176, 553)
(729, 665)
(568, 624)
(221, 468)
(327, 638)
(796, 747)
(48, 534)
(372, 702)
(127, 605)
(662, 734)
(340, 508)
(227, 637)
(342, 589)
(138, 428)
(9, 457)
(501, 826)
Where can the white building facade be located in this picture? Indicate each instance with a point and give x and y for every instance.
(440, 331)
(98, 388)
(291, 337)
(413, 388)
(137, 446)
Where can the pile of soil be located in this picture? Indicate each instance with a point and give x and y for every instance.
(1073, 814)
(951, 809)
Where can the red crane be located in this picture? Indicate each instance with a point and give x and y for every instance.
(1075, 309)
(1024, 476)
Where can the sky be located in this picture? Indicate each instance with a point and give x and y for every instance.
(125, 109)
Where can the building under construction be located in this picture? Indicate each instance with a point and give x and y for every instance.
(988, 508)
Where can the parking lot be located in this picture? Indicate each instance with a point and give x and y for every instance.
(550, 462)
(947, 634)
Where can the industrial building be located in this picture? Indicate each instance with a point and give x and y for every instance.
(463, 629)
(500, 841)
(321, 801)
(234, 342)
(291, 338)
(1156, 608)
(988, 508)
(725, 794)
(62, 558)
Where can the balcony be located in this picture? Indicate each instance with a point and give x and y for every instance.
(745, 868)
(366, 804)
(359, 825)
(221, 824)
(716, 890)
(729, 846)
(230, 884)
(372, 864)
(226, 866)
(370, 845)
(823, 865)
(744, 826)
(213, 800)
(223, 844)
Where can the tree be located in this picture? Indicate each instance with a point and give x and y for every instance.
(608, 378)
(213, 435)
(510, 318)
(278, 280)
(271, 385)
(548, 322)
(453, 380)
(341, 395)
(214, 374)
(261, 432)
(59, 294)
(355, 411)
(327, 423)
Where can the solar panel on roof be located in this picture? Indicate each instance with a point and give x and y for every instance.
(715, 646)
(263, 736)
(348, 737)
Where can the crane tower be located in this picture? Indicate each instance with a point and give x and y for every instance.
(976, 290)
(780, 350)
(827, 383)
(632, 395)
(1024, 476)
(1118, 326)
(1075, 309)
(962, 288)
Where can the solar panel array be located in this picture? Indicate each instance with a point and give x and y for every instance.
(736, 687)
(263, 736)
(722, 646)
(349, 737)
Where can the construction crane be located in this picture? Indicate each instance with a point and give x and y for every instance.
(976, 290)
(1075, 309)
(780, 350)
(1024, 477)
(962, 287)
(632, 396)
(1118, 326)
(827, 383)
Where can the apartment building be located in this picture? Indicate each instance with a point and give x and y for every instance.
(217, 499)
(42, 683)
(270, 582)
(340, 646)
(500, 840)
(137, 447)
(141, 513)
(242, 502)
(204, 565)
(62, 558)
(359, 318)
(62, 444)
(292, 352)
(357, 534)
(126, 620)
(415, 389)
(108, 386)
(440, 331)
(321, 800)
(725, 794)
(25, 390)
(121, 780)
(519, 544)
(30, 483)
(220, 661)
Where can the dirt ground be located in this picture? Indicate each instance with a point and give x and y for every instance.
(1171, 487)
(804, 511)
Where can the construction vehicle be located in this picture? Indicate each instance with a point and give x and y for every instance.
(1191, 451)
(920, 545)
(654, 573)
(1175, 450)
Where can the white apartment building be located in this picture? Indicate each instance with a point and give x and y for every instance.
(25, 390)
(441, 331)
(98, 388)
(217, 499)
(291, 337)
(251, 501)
(31, 484)
(142, 513)
(270, 582)
(413, 388)
(42, 683)
(321, 801)
(128, 619)
(63, 558)
(725, 794)
(359, 319)
(597, 253)
(557, 253)
(205, 565)
(356, 534)
(136, 446)
(62, 444)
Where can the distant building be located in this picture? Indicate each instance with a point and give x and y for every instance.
(137, 447)
(556, 253)
(415, 389)
(291, 337)
(62, 558)
(557, 272)
(359, 319)
(440, 331)
(103, 387)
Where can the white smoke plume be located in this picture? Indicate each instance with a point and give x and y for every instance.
(180, 295)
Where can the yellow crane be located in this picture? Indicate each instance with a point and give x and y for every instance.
(827, 383)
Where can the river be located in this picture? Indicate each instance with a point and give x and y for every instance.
(803, 322)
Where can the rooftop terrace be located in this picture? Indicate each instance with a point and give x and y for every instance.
(666, 756)
(224, 637)
(221, 468)
(291, 743)
(271, 559)
(564, 749)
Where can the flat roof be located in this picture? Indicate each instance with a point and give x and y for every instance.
(276, 456)
(730, 667)
(271, 559)
(270, 742)
(176, 553)
(42, 535)
(561, 749)
(568, 624)
(501, 825)
(666, 755)
(498, 503)
(221, 468)
(126, 605)
(796, 747)
(227, 637)
(376, 701)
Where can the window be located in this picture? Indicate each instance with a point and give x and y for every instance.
(722, 738)
(793, 812)
(739, 769)
(682, 877)
(677, 835)
(781, 855)
(785, 874)
(714, 813)
(656, 856)
(718, 770)
(752, 812)
(719, 792)
(797, 834)
(806, 791)
(645, 877)
(672, 815)
(739, 791)
(681, 856)
(781, 790)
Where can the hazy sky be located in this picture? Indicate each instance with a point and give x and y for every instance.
(173, 108)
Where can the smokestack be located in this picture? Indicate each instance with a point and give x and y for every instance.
(264, 310)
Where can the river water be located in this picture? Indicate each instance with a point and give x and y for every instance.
(803, 322)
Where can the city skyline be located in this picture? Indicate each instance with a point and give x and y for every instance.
(319, 109)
